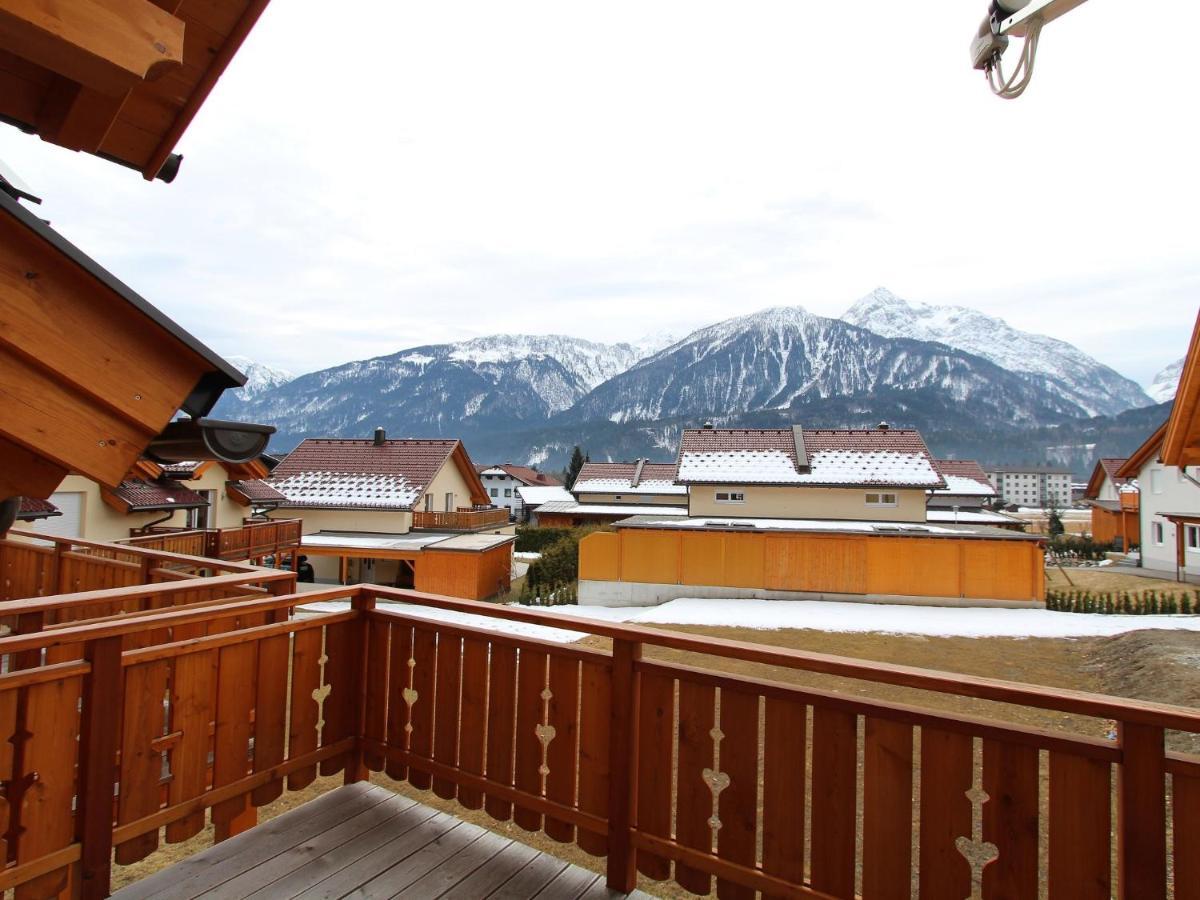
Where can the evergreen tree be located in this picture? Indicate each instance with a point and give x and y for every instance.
(1054, 522)
(577, 461)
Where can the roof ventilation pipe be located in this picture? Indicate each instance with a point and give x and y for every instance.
(883, 426)
(380, 437)
(708, 425)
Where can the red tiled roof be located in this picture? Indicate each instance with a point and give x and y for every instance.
(32, 508)
(257, 491)
(1111, 466)
(894, 457)
(335, 473)
(139, 494)
(624, 470)
(962, 468)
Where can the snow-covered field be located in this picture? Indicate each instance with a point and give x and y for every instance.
(772, 615)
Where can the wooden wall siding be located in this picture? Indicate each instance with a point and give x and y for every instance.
(851, 564)
(678, 772)
(1108, 525)
(473, 576)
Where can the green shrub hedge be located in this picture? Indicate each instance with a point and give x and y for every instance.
(1124, 603)
(534, 540)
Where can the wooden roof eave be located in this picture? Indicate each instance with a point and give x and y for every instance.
(119, 79)
(1181, 440)
(93, 371)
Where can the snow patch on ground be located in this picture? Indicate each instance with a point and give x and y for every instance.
(820, 615)
(504, 626)
(929, 621)
(526, 555)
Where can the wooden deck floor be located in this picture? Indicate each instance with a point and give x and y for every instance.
(364, 841)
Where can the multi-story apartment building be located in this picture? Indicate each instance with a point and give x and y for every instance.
(1039, 486)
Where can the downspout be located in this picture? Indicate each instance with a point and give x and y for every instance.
(145, 529)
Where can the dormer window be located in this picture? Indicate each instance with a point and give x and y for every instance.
(730, 497)
(881, 499)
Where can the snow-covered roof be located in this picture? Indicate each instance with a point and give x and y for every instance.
(611, 509)
(958, 486)
(361, 474)
(638, 477)
(624, 486)
(971, 517)
(941, 529)
(537, 496)
(347, 490)
(882, 457)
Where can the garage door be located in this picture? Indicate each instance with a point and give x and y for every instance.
(70, 523)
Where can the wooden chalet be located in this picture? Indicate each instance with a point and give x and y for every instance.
(1114, 500)
(405, 512)
(120, 79)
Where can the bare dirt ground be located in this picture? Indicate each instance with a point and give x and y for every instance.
(1151, 665)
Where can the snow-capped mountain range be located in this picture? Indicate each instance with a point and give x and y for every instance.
(1166, 383)
(1057, 365)
(514, 396)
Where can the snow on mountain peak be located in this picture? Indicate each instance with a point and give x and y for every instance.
(1166, 383)
(1095, 387)
(259, 376)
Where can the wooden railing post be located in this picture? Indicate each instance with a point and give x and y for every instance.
(102, 694)
(1141, 813)
(356, 768)
(622, 767)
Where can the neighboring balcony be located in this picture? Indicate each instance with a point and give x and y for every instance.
(460, 519)
(254, 539)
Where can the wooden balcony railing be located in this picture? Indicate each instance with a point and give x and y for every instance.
(253, 539)
(71, 582)
(461, 520)
(675, 771)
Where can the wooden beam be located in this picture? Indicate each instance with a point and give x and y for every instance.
(108, 45)
(24, 473)
(78, 117)
(63, 426)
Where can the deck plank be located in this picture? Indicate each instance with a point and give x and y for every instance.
(380, 859)
(569, 884)
(412, 868)
(364, 841)
(457, 868)
(498, 870)
(538, 873)
(285, 874)
(217, 864)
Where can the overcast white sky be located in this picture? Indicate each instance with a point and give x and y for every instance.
(407, 173)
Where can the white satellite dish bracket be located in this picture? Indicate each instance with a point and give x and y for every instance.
(1007, 19)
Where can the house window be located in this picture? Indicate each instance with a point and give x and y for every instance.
(729, 497)
(449, 502)
(495, 492)
(1156, 481)
(874, 499)
(1191, 538)
(508, 492)
(429, 503)
(1156, 533)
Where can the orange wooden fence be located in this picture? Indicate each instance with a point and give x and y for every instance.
(878, 564)
(677, 772)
